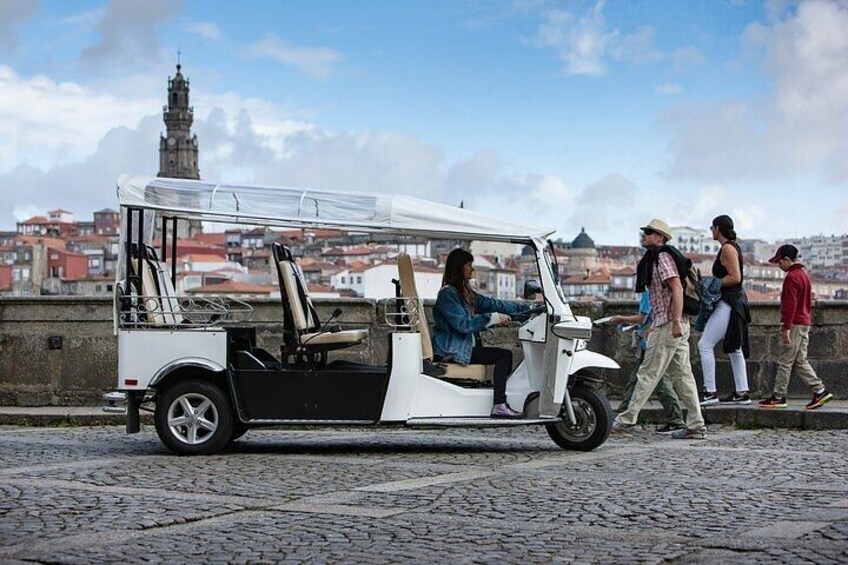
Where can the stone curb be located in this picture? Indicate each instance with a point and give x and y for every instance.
(57, 417)
(833, 416)
(752, 417)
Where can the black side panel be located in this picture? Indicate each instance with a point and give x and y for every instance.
(343, 392)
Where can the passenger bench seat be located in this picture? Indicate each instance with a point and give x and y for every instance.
(454, 371)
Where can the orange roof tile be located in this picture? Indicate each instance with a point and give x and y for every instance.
(315, 287)
(218, 238)
(202, 258)
(232, 287)
(37, 220)
(51, 242)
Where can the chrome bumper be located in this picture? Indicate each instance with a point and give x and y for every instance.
(115, 402)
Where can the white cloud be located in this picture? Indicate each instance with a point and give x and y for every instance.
(243, 139)
(669, 88)
(127, 33)
(12, 14)
(43, 121)
(796, 128)
(81, 186)
(580, 42)
(584, 44)
(317, 62)
(206, 30)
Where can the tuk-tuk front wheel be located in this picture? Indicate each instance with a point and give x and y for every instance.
(594, 420)
(193, 417)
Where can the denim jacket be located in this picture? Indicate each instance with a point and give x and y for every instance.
(453, 335)
(710, 288)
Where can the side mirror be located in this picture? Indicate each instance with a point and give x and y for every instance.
(531, 289)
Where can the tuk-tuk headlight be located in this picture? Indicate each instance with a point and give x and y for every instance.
(572, 330)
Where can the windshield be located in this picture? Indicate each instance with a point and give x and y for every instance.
(551, 266)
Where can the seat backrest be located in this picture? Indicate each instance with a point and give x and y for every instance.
(406, 275)
(298, 309)
(167, 293)
(159, 296)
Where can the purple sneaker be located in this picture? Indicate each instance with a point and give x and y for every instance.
(504, 411)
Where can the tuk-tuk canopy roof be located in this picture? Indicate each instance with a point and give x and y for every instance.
(306, 207)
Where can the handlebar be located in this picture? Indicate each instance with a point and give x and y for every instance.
(522, 317)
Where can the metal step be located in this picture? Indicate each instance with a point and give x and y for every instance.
(479, 421)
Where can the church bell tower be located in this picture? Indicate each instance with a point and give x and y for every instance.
(178, 147)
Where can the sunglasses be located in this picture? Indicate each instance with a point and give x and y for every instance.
(649, 232)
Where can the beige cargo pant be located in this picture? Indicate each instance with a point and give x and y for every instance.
(794, 354)
(669, 355)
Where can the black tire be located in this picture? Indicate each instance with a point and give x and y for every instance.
(207, 430)
(594, 420)
(238, 431)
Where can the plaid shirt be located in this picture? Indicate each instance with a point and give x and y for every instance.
(660, 293)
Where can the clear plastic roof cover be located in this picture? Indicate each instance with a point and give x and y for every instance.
(306, 207)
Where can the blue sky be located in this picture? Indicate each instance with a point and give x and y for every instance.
(562, 114)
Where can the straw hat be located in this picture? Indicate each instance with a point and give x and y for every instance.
(660, 227)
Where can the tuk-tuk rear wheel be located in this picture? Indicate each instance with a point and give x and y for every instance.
(193, 417)
(594, 420)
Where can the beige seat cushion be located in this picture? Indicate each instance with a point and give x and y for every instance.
(347, 336)
(457, 371)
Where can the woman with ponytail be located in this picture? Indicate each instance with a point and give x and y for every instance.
(729, 319)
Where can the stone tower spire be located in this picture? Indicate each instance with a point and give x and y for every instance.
(178, 147)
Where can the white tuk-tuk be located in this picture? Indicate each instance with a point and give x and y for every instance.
(194, 360)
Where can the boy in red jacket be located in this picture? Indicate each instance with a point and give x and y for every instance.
(795, 304)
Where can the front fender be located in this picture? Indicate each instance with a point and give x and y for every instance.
(585, 358)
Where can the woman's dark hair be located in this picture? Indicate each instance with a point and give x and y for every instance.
(457, 259)
(724, 225)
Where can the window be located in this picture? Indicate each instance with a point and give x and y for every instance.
(344, 280)
(359, 279)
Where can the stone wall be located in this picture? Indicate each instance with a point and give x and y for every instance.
(62, 351)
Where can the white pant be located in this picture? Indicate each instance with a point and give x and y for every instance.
(713, 333)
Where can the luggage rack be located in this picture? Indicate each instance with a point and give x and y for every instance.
(154, 311)
(402, 312)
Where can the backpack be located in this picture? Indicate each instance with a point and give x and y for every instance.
(689, 278)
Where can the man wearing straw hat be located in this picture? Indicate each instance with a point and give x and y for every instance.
(668, 341)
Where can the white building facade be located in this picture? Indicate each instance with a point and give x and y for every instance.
(691, 240)
(822, 251)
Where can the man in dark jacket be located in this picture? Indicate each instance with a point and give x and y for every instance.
(795, 306)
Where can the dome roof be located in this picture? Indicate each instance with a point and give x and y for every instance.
(583, 241)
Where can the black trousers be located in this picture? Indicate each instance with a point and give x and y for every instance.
(502, 360)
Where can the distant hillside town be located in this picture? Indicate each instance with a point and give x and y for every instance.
(55, 254)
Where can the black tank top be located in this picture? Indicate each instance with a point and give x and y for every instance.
(719, 271)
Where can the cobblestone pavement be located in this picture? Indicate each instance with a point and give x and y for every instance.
(95, 495)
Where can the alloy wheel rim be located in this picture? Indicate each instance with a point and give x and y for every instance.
(192, 418)
(586, 421)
